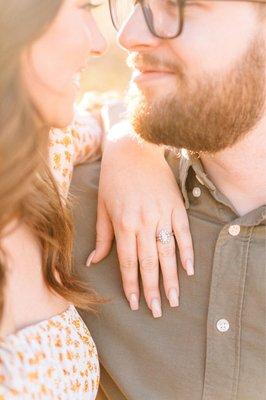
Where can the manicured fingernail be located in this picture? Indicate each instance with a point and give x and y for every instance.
(189, 268)
(133, 302)
(90, 258)
(156, 308)
(173, 297)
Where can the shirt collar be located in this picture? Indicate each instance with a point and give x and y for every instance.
(189, 160)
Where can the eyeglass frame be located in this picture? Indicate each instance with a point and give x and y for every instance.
(181, 4)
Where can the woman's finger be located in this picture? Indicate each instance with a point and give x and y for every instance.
(167, 257)
(183, 237)
(104, 235)
(128, 261)
(149, 269)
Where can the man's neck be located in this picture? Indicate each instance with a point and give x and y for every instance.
(239, 172)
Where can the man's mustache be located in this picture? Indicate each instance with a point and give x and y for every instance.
(149, 62)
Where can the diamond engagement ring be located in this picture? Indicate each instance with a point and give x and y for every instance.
(164, 236)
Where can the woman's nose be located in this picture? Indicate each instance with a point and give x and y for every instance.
(98, 42)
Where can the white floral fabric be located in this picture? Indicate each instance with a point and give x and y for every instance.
(54, 359)
(78, 143)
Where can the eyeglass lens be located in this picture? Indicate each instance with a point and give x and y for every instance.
(162, 16)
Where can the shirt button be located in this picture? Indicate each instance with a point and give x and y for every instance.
(223, 325)
(234, 230)
(196, 192)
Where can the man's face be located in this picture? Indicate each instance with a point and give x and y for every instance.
(205, 89)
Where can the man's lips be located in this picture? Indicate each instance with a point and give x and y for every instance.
(151, 68)
(147, 75)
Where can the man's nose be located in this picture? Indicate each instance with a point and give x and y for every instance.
(98, 42)
(135, 34)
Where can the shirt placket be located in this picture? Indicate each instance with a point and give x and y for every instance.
(224, 313)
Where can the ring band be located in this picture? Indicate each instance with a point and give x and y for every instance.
(164, 236)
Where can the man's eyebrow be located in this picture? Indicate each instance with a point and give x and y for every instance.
(206, 4)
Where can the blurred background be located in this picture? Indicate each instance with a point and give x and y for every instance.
(109, 72)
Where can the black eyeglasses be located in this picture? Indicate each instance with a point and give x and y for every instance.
(164, 18)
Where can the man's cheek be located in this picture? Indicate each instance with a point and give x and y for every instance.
(209, 48)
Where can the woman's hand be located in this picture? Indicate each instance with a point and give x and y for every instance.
(138, 197)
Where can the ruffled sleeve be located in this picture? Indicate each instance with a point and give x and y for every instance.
(78, 143)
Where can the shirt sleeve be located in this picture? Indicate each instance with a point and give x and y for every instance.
(78, 143)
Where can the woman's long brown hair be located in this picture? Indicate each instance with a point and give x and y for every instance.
(27, 190)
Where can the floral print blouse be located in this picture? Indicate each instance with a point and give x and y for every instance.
(74, 145)
(56, 358)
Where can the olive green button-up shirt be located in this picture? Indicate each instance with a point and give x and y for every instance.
(213, 346)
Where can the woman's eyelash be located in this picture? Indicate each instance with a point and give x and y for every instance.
(90, 5)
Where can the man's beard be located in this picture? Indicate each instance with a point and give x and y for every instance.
(209, 115)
